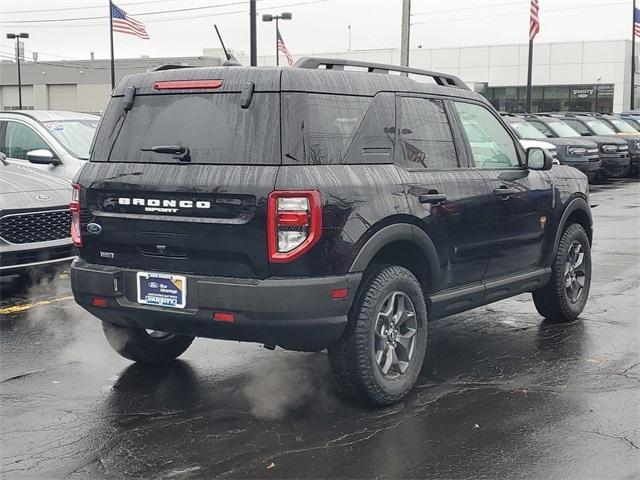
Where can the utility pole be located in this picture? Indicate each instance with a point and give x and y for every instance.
(253, 39)
(349, 28)
(406, 27)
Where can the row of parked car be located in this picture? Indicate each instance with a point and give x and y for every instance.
(601, 145)
(41, 151)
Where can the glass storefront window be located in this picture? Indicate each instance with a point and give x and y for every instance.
(553, 98)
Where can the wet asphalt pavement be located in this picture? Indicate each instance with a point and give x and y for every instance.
(502, 394)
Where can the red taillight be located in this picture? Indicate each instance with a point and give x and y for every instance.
(74, 207)
(294, 223)
(339, 293)
(224, 317)
(99, 302)
(187, 84)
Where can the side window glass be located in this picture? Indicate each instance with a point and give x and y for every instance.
(577, 126)
(375, 137)
(542, 127)
(333, 123)
(425, 139)
(491, 145)
(20, 139)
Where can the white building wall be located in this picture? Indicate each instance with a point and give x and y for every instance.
(63, 97)
(569, 63)
(9, 96)
(93, 97)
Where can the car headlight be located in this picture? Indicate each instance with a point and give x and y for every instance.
(609, 148)
(636, 144)
(623, 148)
(576, 151)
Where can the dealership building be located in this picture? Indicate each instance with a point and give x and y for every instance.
(593, 76)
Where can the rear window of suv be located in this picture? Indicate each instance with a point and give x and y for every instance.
(214, 128)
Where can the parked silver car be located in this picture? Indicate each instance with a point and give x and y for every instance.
(57, 142)
(34, 220)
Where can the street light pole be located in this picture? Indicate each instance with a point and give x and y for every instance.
(18, 36)
(271, 18)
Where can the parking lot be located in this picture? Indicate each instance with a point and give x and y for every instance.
(502, 394)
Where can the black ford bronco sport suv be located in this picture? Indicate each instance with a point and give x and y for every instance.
(316, 208)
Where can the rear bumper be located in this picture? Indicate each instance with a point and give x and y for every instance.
(293, 313)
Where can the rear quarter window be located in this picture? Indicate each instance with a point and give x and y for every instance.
(213, 126)
(324, 129)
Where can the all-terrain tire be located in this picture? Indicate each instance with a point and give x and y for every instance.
(355, 371)
(553, 301)
(138, 345)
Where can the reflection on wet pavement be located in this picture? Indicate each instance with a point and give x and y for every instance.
(503, 394)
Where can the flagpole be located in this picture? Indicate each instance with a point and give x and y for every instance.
(529, 71)
(277, 49)
(113, 67)
(633, 57)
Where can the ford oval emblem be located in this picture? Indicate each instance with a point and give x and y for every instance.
(43, 197)
(94, 228)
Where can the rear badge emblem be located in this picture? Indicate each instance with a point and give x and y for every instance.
(94, 228)
(43, 196)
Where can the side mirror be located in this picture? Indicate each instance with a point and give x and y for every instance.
(539, 159)
(42, 156)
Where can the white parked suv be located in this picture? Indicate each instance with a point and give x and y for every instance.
(56, 142)
(541, 144)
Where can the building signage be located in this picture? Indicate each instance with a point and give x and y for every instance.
(605, 90)
(582, 92)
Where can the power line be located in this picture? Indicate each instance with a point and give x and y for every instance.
(88, 7)
(85, 7)
(28, 50)
(133, 14)
(173, 19)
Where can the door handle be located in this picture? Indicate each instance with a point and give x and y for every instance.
(432, 198)
(504, 192)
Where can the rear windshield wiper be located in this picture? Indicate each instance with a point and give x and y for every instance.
(129, 96)
(179, 152)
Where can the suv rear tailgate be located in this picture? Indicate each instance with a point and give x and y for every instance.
(205, 214)
(223, 233)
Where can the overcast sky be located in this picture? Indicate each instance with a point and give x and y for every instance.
(317, 25)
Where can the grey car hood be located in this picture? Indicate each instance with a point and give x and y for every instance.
(24, 188)
(603, 139)
(572, 142)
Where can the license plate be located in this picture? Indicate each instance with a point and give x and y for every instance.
(162, 289)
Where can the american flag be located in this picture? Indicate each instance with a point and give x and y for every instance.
(412, 153)
(283, 48)
(636, 21)
(123, 23)
(534, 21)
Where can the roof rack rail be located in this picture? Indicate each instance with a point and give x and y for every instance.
(442, 79)
(168, 66)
